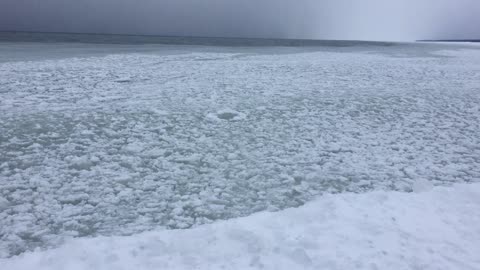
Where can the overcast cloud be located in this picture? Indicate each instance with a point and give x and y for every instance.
(322, 19)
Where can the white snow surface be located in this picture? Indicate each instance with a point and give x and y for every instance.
(436, 229)
(123, 144)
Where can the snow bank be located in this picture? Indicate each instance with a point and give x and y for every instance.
(436, 229)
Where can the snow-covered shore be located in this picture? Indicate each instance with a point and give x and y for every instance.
(435, 229)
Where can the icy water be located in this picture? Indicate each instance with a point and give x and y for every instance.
(99, 139)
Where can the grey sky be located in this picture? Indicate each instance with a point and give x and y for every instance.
(327, 19)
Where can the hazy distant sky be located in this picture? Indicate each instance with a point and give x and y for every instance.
(323, 19)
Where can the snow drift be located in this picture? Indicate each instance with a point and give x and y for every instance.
(436, 229)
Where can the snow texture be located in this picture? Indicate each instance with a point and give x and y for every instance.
(437, 229)
(122, 144)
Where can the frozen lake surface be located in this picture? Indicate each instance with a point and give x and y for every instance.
(121, 139)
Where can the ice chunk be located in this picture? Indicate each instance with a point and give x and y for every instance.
(422, 185)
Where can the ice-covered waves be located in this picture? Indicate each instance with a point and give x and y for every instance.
(122, 144)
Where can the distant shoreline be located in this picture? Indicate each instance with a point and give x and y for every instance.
(450, 40)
